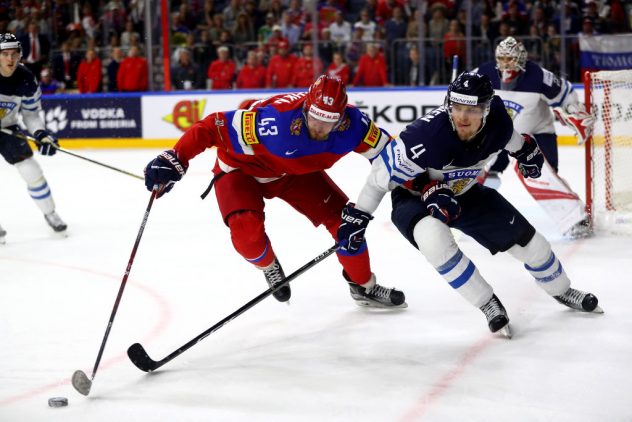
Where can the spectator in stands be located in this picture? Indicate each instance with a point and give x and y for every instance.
(114, 17)
(185, 74)
(289, 30)
(327, 11)
(116, 57)
(17, 25)
(221, 72)
(35, 48)
(339, 69)
(204, 53)
(296, 12)
(90, 25)
(128, 35)
(307, 68)
(453, 45)
(65, 65)
(252, 75)
(413, 68)
(326, 47)
(367, 25)
(244, 30)
(384, 10)
(230, 13)
(340, 30)
(265, 31)
(48, 85)
(598, 23)
(280, 67)
(371, 68)
(354, 49)
(89, 74)
(397, 52)
(307, 29)
(132, 73)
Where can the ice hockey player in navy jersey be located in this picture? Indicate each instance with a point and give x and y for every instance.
(20, 94)
(530, 93)
(432, 168)
(280, 147)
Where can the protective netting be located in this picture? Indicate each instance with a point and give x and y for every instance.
(611, 169)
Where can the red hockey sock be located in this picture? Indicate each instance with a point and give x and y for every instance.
(249, 238)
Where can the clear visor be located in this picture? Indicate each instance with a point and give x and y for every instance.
(474, 111)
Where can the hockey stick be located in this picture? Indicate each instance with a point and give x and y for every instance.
(65, 151)
(80, 380)
(455, 67)
(141, 359)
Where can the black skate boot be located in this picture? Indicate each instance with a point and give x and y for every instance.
(274, 275)
(580, 230)
(580, 301)
(55, 222)
(496, 315)
(376, 296)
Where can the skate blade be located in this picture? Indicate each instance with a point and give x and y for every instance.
(597, 310)
(506, 331)
(366, 303)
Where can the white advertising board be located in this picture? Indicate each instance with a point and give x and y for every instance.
(168, 116)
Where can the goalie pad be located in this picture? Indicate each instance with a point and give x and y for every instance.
(555, 196)
(578, 119)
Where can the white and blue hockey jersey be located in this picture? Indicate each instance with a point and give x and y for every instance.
(530, 98)
(20, 93)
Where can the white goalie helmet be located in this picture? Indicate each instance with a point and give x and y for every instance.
(513, 50)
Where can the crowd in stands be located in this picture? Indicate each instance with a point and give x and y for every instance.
(98, 46)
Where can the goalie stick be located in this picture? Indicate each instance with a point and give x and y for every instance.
(80, 380)
(141, 359)
(65, 151)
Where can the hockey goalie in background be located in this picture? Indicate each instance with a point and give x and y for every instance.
(529, 93)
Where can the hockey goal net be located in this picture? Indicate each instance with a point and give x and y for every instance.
(609, 152)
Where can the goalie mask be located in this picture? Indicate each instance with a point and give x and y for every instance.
(511, 59)
(470, 89)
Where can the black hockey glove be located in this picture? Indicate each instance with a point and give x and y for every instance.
(352, 228)
(440, 201)
(530, 158)
(164, 171)
(46, 143)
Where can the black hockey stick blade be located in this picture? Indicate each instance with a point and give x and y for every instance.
(81, 382)
(140, 358)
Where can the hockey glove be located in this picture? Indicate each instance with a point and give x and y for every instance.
(578, 119)
(164, 171)
(530, 158)
(440, 201)
(46, 143)
(352, 228)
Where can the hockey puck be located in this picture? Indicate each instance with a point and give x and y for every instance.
(58, 402)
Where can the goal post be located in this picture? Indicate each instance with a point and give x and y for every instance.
(608, 96)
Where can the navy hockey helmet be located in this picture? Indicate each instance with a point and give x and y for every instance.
(8, 41)
(473, 89)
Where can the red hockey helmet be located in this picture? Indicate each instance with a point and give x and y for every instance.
(326, 99)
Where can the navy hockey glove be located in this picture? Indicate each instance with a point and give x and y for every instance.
(46, 143)
(164, 171)
(352, 228)
(530, 158)
(440, 201)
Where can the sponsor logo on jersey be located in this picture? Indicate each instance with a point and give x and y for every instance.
(372, 136)
(185, 113)
(296, 126)
(248, 130)
(344, 125)
(513, 108)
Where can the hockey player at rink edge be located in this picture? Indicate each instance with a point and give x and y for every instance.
(529, 93)
(20, 94)
(279, 147)
(431, 169)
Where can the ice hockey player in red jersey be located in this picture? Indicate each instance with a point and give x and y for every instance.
(279, 148)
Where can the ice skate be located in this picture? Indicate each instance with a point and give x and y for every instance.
(55, 222)
(580, 230)
(580, 301)
(376, 296)
(274, 275)
(497, 318)
(3, 233)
